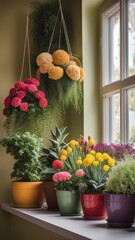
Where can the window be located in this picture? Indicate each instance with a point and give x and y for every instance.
(118, 68)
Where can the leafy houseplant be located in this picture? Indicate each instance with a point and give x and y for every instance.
(51, 153)
(120, 194)
(27, 186)
(26, 149)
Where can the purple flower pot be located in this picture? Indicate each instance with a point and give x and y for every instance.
(120, 209)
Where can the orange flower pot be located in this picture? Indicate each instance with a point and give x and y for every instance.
(27, 194)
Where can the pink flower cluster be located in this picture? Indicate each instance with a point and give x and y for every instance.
(61, 176)
(80, 173)
(57, 164)
(23, 94)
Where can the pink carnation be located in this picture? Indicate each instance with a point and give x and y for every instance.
(19, 85)
(33, 81)
(32, 88)
(7, 101)
(57, 164)
(39, 94)
(16, 102)
(5, 111)
(24, 106)
(21, 94)
(79, 173)
(24, 87)
(43, 102)
(61, 176)
(12, 91)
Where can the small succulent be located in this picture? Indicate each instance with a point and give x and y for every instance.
(51, 153)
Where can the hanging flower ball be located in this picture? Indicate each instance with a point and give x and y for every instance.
(81, 74)
(71, 63)
(44, 67)
(76, 59)
(55, 73)
(73, 72)
(60, 57)
(44, 57)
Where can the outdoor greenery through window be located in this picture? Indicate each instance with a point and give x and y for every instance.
(118, 73)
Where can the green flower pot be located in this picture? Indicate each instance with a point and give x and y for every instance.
(69, 203)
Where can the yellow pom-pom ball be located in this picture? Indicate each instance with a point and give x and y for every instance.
(73, 143)
(106, 168)
(55, 73)
(95, 163)
(63, 158)
(81, 74)
(44, 57)
(73, 72)
(63, 152)
(69, 149)
(79, 161)
(45, 67)
(60, 57)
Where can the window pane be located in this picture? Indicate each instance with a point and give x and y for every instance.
(131, 37)
(112, 119)
(131, 115)
(114, 47)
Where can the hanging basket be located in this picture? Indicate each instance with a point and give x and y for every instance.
(60, 72)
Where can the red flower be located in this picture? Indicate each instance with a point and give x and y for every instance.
(12, 91)
(5, 111)
(33, 81)
(43, 102)
(57, 164)
(39, 94)
(19, 85)
(7, 101)
(32, 88)
(16, 102)
(21, 94)
(24, 106)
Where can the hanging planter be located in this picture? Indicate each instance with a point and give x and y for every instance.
(60, 72)
(25, 105)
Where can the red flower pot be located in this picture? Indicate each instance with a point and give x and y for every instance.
(93, 206)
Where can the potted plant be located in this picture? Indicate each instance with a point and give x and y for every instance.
(68, 176)
(25, 107)
(26, 149)
(96, 167)
(57, 142)
(120, 194)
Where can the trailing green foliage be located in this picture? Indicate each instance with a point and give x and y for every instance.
(26, 149)
(122, 178)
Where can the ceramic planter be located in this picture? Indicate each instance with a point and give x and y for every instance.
(69, 203)
(120, 209)
(27, 194)
(93, 206)
(50, 196)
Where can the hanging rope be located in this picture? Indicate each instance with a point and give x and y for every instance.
(26, 42)
(52, 36)
(65, 30)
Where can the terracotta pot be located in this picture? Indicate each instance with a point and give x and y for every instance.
(69, 203)
(27, 194)
(120, 209)
(50, 196)
(93, 206)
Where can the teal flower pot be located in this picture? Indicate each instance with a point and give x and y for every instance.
(69, 203)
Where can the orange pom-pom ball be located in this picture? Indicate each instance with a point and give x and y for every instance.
(60, 57)
(73, 72)
(76, 59)
(45, 67)
(44, 57)
(81, 74)
(71, 63)
(55, 73)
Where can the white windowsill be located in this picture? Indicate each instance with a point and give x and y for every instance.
(74, 228)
